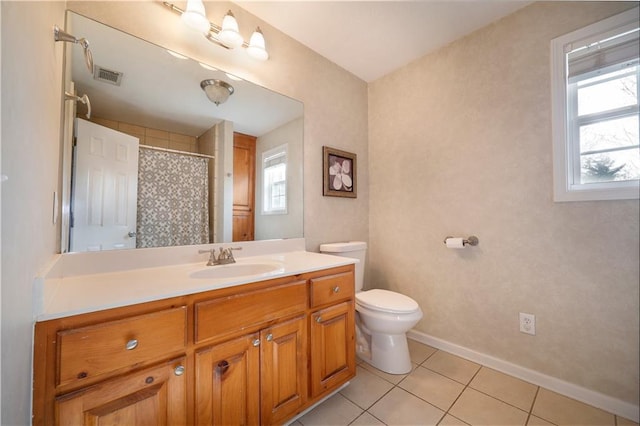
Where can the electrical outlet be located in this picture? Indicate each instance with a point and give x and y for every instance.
(528, 323)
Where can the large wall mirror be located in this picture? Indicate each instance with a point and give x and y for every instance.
(156, 164)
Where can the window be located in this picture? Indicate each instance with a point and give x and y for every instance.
(595, 73)
(274, 180)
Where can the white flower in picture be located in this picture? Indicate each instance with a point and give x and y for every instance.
(339, 174)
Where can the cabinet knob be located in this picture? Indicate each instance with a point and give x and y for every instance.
(336, 289)
(179, 370)
(269, 337)
(131, 344)
(318, 319)
(256, 342)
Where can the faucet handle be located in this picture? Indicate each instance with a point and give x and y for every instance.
(212, 256)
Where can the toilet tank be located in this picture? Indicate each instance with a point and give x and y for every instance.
(352, 249)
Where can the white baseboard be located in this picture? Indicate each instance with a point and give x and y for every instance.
(596, 399)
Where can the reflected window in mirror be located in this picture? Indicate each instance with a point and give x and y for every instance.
(274, 178)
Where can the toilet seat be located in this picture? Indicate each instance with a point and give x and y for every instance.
(386, 301)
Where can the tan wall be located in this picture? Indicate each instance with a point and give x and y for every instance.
(460, 144)
(31, 113)
(152, 137)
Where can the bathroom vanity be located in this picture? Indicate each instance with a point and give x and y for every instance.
(253, 349)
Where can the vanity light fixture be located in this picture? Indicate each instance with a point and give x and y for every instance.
(227, 35)
(194, 16)
(217, 91)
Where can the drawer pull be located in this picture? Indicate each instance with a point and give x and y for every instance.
(179, 370)
(256, 342)
(318, 319)
(149, 380)
(131, 344)
(269, 337)
(222, 367)
(336, 289)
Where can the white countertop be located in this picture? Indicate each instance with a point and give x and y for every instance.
(60, 294)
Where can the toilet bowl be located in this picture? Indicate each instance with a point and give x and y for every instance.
(383, 317)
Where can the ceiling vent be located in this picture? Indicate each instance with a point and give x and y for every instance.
(107, 76)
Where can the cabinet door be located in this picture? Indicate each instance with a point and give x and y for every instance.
(228, 383)
(332, 347)
(284, 370)
(154, 396)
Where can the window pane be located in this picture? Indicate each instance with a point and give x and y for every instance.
(612, 166)
(608, 94)
(609, 134)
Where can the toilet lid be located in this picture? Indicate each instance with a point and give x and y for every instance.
(386, 301)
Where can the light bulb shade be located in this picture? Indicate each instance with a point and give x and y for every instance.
(229, 35)
(256, 47)
(194, 16)
(217, 91)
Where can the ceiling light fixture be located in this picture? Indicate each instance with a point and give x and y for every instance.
(217, 91)
(227, 35)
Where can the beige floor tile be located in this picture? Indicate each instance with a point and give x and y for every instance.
(561, 410)
(366, 388)
(537, 421)
(505, 388)
(367, 419)
(454, 367)
(621, 421)
(478, 409)
(419, 352)
(391, 378)
(432, 387)
(399, 407)
(335, 411)
(449, 420)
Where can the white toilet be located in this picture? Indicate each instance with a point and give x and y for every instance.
(383, 317)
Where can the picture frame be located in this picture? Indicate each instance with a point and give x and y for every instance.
(339, 173)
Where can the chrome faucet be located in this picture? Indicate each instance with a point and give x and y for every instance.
(225, 256)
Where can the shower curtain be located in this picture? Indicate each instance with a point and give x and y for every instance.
(173, 194)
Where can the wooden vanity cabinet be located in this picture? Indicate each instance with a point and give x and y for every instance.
(332, 331)
(253, 354)
(154, 396)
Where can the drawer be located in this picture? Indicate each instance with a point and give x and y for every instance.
(227, 316)
(331, 289)
(98, 349)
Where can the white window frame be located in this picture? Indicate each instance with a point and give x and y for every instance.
(565, 187)
(280, 151)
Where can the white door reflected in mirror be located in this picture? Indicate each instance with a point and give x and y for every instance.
(105, 189)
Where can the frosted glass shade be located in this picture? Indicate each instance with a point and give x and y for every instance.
(217, 91)
(256, 47)
(229, 35)
(194, 16)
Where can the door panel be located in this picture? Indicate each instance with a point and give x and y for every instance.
(105, 189)
(244, 164)
(228, 383)
(284, 370)
(332, 347)
(155, 396)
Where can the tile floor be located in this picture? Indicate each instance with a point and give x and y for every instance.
(444, 389)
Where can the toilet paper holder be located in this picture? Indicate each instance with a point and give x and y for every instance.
(470, 241)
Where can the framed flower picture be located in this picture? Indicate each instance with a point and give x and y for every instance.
(339, 173)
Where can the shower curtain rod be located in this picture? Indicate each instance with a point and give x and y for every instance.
(175, 151)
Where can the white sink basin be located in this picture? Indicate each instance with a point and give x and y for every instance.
(234, 270)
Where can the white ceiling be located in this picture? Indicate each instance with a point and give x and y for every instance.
(371, 39)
